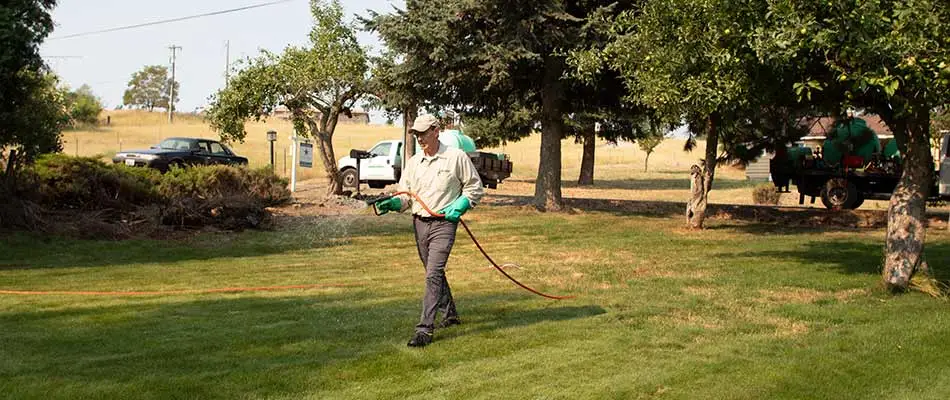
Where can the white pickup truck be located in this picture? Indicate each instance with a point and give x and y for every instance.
(382, 164)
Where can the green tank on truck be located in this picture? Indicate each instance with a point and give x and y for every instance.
(850, 167)
(381, 165)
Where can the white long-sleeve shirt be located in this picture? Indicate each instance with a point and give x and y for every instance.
(439, 179)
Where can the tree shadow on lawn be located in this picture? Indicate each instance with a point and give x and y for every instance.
(647, 183)
(478, 319)
(232, 346)
(31, 251)
(853, 257)
(790, 219)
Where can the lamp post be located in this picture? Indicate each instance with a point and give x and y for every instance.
(272, 137)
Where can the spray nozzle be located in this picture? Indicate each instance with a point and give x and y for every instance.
(376, 200)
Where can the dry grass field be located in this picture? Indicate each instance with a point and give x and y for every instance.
(618, 173)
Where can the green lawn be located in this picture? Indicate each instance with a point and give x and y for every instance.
(738, 311)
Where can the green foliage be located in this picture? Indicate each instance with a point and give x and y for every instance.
(649, 143)
(939, 126)
(37, 128)
(391, 87)
(84, 106)
(317, 84)
(220, 195)
(29, 115)
(329, 76)
(67, 182)
(500, 129)
(99, 194)
(765, 194)
(886, 54)
(221, 184)
(685, 57)
(489, 59)
(149, 88)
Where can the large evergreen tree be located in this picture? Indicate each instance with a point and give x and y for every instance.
(500, 61)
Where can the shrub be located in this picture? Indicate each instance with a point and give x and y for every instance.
(223, 196)
(18, 196)
(766, 194)
(89, 198)
(88, 183)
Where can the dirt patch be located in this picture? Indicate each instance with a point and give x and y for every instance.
(311, 198)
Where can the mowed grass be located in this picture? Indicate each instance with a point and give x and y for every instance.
(738, 311)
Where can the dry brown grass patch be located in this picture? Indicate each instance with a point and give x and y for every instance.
(648, 272)
(785, 327)
(688, 318)
(699, 291)
(806, 296)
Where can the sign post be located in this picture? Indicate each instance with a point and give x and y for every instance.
(293, 162)
(301, 152)
(306, 154)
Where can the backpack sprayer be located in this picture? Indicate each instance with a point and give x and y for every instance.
(376, 201)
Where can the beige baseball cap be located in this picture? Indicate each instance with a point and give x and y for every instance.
(424, 122)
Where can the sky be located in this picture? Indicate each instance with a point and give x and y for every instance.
(106, 61)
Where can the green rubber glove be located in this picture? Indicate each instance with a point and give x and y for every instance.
(453, 212)
(390, 204)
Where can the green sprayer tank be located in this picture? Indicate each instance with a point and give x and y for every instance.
(453, 138)
(850, 137)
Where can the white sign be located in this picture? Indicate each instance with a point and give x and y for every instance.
(306, 155)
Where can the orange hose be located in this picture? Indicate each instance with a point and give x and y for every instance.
(487, 257)
(167, 292)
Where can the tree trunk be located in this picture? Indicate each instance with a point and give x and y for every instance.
(547, 189)
(696, 208)
(409, 145)
(904, 245)
(9, 173)
(323, 133)
(587, 162)
(646, 163)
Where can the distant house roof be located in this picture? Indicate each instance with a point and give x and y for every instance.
(818, 128)
(359, 116)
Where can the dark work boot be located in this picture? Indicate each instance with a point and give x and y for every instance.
(448, 322)
(421, 339)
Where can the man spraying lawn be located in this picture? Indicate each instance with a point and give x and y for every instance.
(441, 178)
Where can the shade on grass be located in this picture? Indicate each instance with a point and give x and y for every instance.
(738, 311)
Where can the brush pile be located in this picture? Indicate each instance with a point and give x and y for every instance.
(84, 197)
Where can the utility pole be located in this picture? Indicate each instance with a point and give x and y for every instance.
(171, 86)
(227, 63)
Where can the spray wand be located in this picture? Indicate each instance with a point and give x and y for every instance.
(376, 201)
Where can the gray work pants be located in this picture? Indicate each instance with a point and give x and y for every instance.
(434, 239)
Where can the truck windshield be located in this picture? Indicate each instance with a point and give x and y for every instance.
(381, 149)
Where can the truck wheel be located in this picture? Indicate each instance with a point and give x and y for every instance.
(349, 178)
(858, 201)
(839, 194)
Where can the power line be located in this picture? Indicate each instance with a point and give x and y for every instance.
(166, 21)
